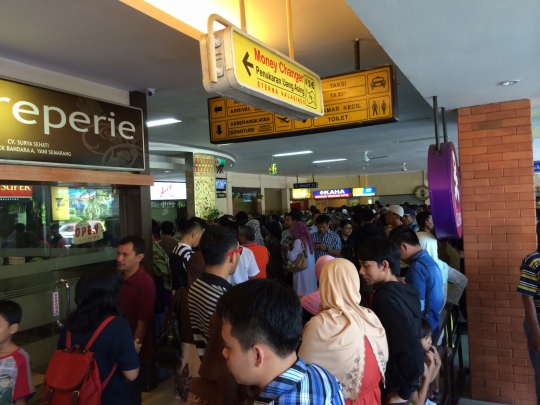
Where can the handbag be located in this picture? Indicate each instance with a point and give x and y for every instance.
(168, 348)
(299, 264)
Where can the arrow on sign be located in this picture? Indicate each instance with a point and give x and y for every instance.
(218, 109)
(247, 64)
(219, 131)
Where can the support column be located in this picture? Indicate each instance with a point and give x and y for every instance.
(496, 161)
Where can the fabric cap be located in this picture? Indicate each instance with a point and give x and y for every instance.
(411, 212)
(396, 209)
(384, 209)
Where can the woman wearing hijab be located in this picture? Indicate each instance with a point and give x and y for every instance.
(304, 282)
(345, 338)
(312, 302)
(259, 240)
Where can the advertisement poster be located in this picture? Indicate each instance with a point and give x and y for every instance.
(60, 203)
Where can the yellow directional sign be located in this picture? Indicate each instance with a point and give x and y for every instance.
(351, 100)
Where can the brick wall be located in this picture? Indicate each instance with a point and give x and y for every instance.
(496, 159)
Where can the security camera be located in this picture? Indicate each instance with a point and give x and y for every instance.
(150, 92)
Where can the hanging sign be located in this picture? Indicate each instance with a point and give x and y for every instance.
(301, 193)
(445, 191)
(335, 193)
(313, 184)
(363, 191)
(56, 304)
(249, 71)
(52, 128)
(351, 100)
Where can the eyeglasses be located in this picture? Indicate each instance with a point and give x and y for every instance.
(239, 251)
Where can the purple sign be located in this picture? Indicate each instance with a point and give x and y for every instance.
(445, 191)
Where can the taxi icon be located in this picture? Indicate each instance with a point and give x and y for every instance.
(378, 81)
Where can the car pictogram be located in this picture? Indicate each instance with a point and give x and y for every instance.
(378, 82)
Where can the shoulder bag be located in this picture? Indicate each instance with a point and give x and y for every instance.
(299, 264)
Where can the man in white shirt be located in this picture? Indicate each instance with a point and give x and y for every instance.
(247, 267)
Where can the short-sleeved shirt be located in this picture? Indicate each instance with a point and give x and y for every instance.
(330, 239)
(261, 257)
(301, 384)
(425, 275)
(114, 345)
(178, 261)
(529, 282)
(247, 267)
(203, 298)
(15, 377)
(136, 303)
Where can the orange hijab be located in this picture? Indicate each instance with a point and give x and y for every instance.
(334, 339)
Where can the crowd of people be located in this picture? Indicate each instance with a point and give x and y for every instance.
(340, 307)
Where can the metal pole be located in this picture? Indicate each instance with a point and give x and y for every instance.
(289, 29)
(436, 121)
(356, 55)
(243, 16)
(443, 116)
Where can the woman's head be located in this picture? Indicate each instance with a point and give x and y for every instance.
(96, 296)
(274, 229)
(339, 284)
(425, 338)
(321, 261)
(299, 230)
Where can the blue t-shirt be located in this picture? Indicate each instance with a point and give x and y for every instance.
(424, 273)
(113, 345)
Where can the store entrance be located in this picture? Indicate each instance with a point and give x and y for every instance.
(42, 258)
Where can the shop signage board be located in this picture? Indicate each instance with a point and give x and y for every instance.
(7, 191)
(444, 180)
(351, 100)
(249, 71)
(363, 191)
(168, 191)
(537, 167)
(313, 184)
(40, 126)
(301, 194)
(334, 193)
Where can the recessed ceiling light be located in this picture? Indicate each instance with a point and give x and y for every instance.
(224, 144)
(326, 161)
(508, 82)
(304, 152)
(166, 171)
(165, 121)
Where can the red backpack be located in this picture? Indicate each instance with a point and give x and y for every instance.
(72, 376)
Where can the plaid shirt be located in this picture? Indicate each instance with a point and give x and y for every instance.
(530, 276)
(303, 384)
(330, 239)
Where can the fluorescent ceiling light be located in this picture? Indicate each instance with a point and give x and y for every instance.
(326, 161)
(165, 121)
(304, 152)
(509, 82)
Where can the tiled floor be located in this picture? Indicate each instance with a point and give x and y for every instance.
(162, 395)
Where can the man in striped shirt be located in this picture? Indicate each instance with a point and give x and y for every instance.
(529, 288)
(221, 254)
(261, 328)
(181, 254)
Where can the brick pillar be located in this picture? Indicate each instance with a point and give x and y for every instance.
(496, 158)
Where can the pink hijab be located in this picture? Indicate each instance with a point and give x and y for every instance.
(311, 302)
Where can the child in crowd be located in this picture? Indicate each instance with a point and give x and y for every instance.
(16, 385)
(432, 364)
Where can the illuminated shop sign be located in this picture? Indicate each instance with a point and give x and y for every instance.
(168, 191)
(16, 191)
(301, 194)
(335, 193)
(52, 128)
(363, 191)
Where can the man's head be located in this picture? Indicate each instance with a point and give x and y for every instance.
(424, 221)
(10, 318)
(421, 208)
(366, 216)
(167, 228)
(262, 325)
(193, 230)
(246, 234)
(379, 261)
(130, 253)
(323, 223)
(242, 218)
(54, 229)
(316, 214)
(346, 227)
(292, 217)
(219, 248)
(406, 241)
(394, 216)
(409, 216)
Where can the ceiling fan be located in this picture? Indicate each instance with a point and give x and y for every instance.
(367, 159)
